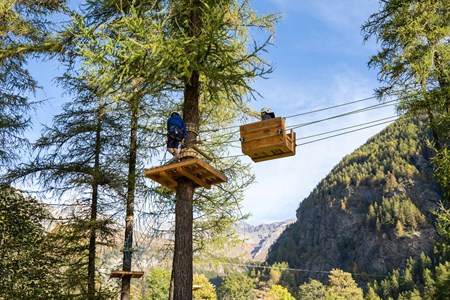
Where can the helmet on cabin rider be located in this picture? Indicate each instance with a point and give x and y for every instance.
(266, 110)
(174, 113)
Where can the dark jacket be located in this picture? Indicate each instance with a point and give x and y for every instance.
(176, 125)
(268, 116)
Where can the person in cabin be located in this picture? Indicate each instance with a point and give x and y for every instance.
(176, 133)
(267, 113)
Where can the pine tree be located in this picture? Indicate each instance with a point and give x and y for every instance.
(371, 294)
(428, 285)
(399, 232)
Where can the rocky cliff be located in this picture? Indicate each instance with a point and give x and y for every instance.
(371, 213)
(258, 239)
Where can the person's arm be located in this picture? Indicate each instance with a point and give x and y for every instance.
(184, 131)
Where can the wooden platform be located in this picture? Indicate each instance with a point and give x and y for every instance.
(267, 140)
(197, 170)
(120, 274)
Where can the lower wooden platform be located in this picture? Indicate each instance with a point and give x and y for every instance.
(120, 274)
(197, 170)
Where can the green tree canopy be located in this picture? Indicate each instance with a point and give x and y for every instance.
(236, 286)
(30, 263)
(343, 285)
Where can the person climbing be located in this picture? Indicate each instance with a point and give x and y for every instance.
(176, 133)
(267, 113)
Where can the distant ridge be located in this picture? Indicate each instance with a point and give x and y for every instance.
(258, 239)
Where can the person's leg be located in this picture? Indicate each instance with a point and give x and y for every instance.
(172, 146)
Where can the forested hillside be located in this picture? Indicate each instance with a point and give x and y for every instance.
(371, 213)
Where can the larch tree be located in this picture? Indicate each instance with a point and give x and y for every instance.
(193, 56)
(76, 162)
(24, 30)
(414, 65)
(214, 59)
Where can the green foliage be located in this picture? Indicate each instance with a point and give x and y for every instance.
(155, 286)
(442, 163)
(443, 230)
(442, 281)
(29, 265)
(342, 285)
(23, 30)
(207, 290)
(371, 294)
(278, 292)
(397, 212)
(314, 289)
(419, 280)
(413, 64)
(413, 47)
(276, 274)
(236, 286)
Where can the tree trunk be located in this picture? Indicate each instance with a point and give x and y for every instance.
(131, 186)
(94, 202)
(183, 253)
(183, 241)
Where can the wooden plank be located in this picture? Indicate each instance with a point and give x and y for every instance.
(264, 158)
(264, 142)
(261, 125)
(168, 177)
(194, 178)
(268, 148)
(169, 166)
(261, 134)
(212, 170)
(132, 274)
(193, 168)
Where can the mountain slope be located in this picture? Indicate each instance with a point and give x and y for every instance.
(372, 211)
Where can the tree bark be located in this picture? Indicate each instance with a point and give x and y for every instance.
(131, 186)
(94, 202)
(183, 253)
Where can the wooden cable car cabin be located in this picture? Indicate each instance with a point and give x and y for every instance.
(267, 139)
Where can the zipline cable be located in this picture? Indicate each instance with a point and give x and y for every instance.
(300, 270)
(392, 118)
(347, 132)
(331, 107)
(332, 136)
(360, 110)
(315, 111)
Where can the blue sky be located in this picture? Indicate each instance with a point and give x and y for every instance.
(319, 60)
